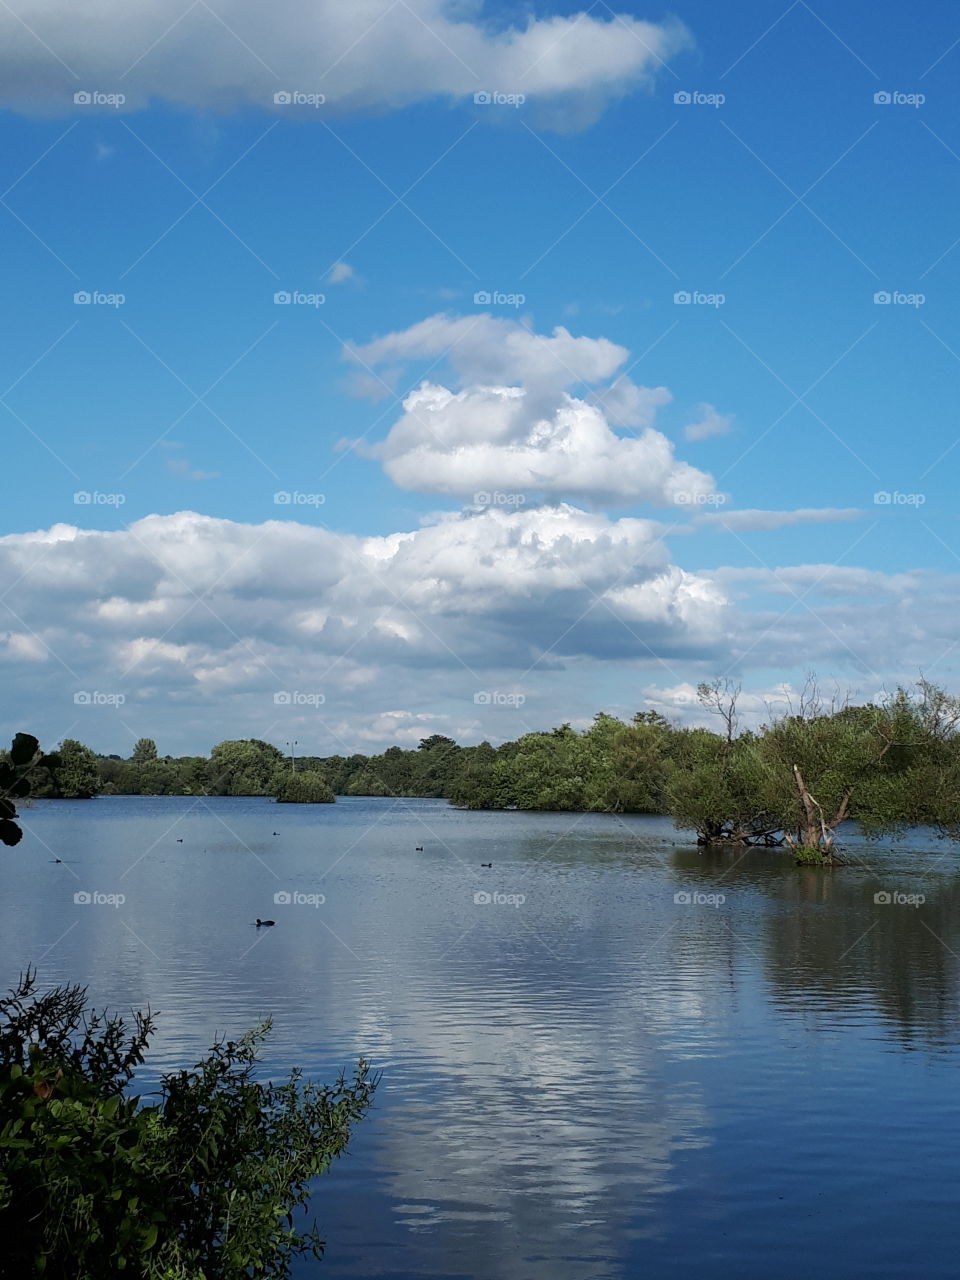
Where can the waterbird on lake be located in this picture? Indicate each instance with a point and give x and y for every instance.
(264, 923)
(418, 849)
(486, 864)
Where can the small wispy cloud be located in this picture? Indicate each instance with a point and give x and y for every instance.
(754, 521)
(710, 423)
(181, 467)
(341, 271)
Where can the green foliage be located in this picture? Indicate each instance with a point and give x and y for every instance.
(307, 787)
(203, 1185)
(368, 783)
(711, 786)
(474, 787)
(144, 750)
(794, 781)
(247, 767)
(545, 772)
(69, 773)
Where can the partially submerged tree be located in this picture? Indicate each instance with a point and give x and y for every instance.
(880, 764)
(800, 777)
(713, 781)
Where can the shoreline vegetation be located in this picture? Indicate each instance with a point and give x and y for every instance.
(789, 784)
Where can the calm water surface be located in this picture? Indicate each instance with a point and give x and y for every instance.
(600, 1082)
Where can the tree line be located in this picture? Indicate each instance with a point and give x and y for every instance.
(791, 782)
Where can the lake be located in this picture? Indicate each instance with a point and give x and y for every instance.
(627, 1058)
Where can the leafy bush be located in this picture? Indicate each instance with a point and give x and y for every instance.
(203, 1185)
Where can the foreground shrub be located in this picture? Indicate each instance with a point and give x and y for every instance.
(202, 1185)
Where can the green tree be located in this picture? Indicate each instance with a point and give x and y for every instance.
(546, 771)
(714, 786)
(159, 778)
(193, 771)
(72, 772)
(475, 785)
(244, 767)
(367, 783)
(886, 766)
(144, 750)
(640, 756)
(434, 765)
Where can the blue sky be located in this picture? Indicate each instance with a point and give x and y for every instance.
(796, 198)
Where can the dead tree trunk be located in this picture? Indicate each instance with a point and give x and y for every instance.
(815, 834)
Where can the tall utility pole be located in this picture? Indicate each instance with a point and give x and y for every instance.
(293, 755)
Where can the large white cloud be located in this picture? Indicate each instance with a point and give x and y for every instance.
(360, 55)
(513, 423)
(191, 617)
(487, 440)
(200, 622)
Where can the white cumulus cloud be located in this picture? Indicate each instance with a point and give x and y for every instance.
(361, 55)
(513, 421)
(184, 614)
